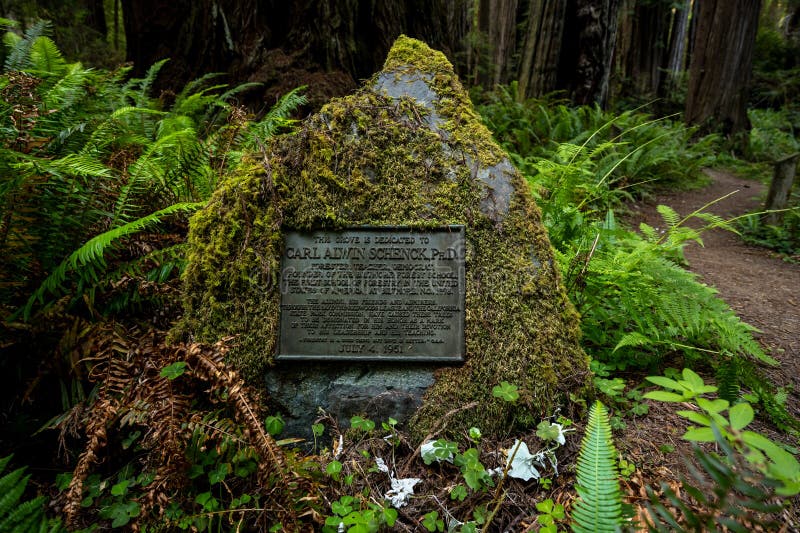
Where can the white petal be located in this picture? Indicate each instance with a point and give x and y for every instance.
(402, 490)
(522, 465)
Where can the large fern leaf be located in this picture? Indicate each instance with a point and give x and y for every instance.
(87, 259)
(45, 57)
(19, 56)
(599, 507)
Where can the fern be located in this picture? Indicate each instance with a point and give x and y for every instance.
(45, 57)
(141, 96)
(17, 516)
(19, 56)
(89, 258)
(276, 118)
(599, 505)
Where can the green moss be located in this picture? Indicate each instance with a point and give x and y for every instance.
(368, 159)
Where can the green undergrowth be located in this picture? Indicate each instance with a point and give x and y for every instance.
(102, 175)
(640, 308)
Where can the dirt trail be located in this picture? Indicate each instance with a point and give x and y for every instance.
(761, 288)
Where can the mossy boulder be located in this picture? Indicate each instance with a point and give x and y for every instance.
(407, 149)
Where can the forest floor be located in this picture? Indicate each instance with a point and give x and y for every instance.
(763, 291)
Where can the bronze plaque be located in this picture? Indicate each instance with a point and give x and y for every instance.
(373, 293)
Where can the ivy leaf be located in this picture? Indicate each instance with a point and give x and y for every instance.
(218, 474)
(274, 425)
(361, 423)
(120, 488)
(550, 432)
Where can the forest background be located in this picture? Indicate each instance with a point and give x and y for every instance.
(119, 119)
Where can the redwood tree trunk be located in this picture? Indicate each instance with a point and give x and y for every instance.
(497, 22)
(721, 64)
(96, 16)
(641, 40)
(541, 49)
(676, 52)
(588, 45)
(327, 44)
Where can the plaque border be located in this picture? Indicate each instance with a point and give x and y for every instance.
(458, 357)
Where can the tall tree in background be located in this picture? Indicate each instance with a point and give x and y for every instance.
(676, 51)
(721, 64)
(641, 43)
(587, 49)
(331, 44)
(541, 47)
(497, 24)
(326, 44)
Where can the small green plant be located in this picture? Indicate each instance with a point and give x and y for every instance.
(549, 515)
(432, 522)
(362, 424)
(716, 415)
(728, 491)
(506, 392)
(353, 516)
(599, 505)
(274, 424)
(475, 474)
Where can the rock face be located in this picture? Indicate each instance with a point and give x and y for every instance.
(406, 150)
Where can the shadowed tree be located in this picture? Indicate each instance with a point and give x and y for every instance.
(721, 64)
(541, 48)
(326, 44)
(587, 49)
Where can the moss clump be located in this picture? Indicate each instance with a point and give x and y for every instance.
(374, 159)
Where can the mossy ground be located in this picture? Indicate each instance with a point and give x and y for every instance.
(367, 159)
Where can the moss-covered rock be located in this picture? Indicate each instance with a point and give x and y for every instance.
(407, 149)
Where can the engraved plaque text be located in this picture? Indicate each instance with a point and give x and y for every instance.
(373, 293)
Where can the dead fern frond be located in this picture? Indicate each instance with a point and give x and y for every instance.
(172, 413)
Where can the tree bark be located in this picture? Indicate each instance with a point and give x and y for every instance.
(676, 52)
(641, 41)
(327, 44)
(96, 16)
(497, 22)
(538, 72)
(588, 44)
(721, 65)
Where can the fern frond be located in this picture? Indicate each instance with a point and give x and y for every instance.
(670, 216)
(599, 507)
(17, 516)
(276, 118)
(88, 257)
(141, 98)
(46, 58)
(79, 165)
(69, 89)
(154, 168)
(19, 56)
(634, 339)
